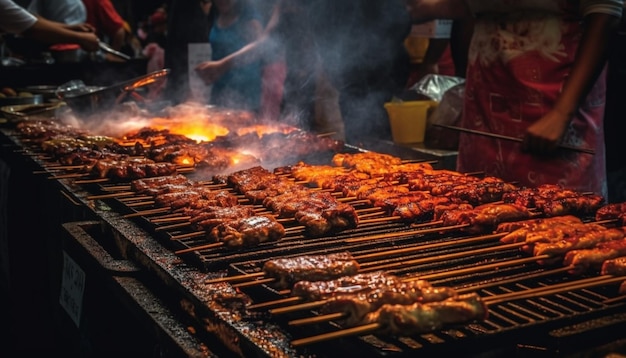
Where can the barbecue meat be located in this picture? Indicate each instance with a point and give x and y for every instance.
(584, 259)
(422, 210)
(209, 217)
(319, 290)
(615, 267)
(247, 232)
(359, 305)
(406, 320)
(200, 195)
(484, 217)
(532, 225)
(140, 186)
(319, 220)
(368, 162)
(585, 241)
(287, 271)
(612, 212)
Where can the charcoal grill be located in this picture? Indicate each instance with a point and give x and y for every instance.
(557, 322)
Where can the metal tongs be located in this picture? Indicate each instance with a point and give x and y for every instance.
(513, 139)
(106, 48)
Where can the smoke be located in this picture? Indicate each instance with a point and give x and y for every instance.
(359, 46)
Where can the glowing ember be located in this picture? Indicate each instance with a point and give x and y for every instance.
(194, 127)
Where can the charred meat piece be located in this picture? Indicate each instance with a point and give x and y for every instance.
(612, 211)
(141, 185)
(406, 320)
(321, 219)
(247, 232)
(585, 240)
(533, 225)
(423, 210)
(356, 307)
(554, 200)
(615, 267)
(593, 258)
(186, 198)
(368, 162)
(486, 217)
(287, 271)
(486, 190)
(209, 217)
(319, 290)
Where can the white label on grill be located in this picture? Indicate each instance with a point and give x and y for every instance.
(72, 288)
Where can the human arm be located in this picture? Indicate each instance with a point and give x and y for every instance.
(261, 43)
(51, 32)
(545, 134)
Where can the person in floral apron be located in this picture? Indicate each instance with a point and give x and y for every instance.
(536, 71)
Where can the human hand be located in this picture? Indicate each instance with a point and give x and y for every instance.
(88, 41)
(85, 27)
(545, 135)
(210, 71)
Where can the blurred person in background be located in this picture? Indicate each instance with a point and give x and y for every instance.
(535, 71)
(108, 24)
(235, 24)
(15, 19)
(354, 49)
(187, 23)
(69, 12)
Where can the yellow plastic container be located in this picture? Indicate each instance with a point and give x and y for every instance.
(408, 120)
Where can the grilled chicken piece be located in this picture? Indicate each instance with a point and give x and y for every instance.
(487, 190)
(531, 225)
(485, 217)
(423, 210)
(615, 267)
(211, 216)
(247, 232)
(200, 195)
(554, 200)
(319, 290)
(613, 211)
(365, 162)
(593, 258)
(406, 320)
(287, 271)
(319, 220)
(357, 306)
(313, 173)
(585, 241)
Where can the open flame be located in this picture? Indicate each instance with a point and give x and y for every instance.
(197, 128)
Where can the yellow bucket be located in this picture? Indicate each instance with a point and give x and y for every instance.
(408, 120)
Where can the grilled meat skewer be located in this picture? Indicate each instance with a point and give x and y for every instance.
(287, 271)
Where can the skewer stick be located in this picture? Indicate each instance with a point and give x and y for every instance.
(614, 300)
(253, 283)
(146, 212)
(169, 219)
(554, 289)
(173, 226)
(69, 176)
(479, 268)
(427, 247)
(143, 197)
(92, 181)
(188, 235)
(492, 300)
(236, 278)
(316, 319)
(141, 203)
(197, 248)
(368, 328)
(405, 233)
(117, 188)
(298, 307)
(512, 280)
(291, 299)
(110, 196)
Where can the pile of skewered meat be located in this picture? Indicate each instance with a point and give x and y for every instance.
(399, 306)
(318, 212)
(554, 200)
(215, 211)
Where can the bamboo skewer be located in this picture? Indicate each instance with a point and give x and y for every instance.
(110, 195)
(146, 212)
(489, 301)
